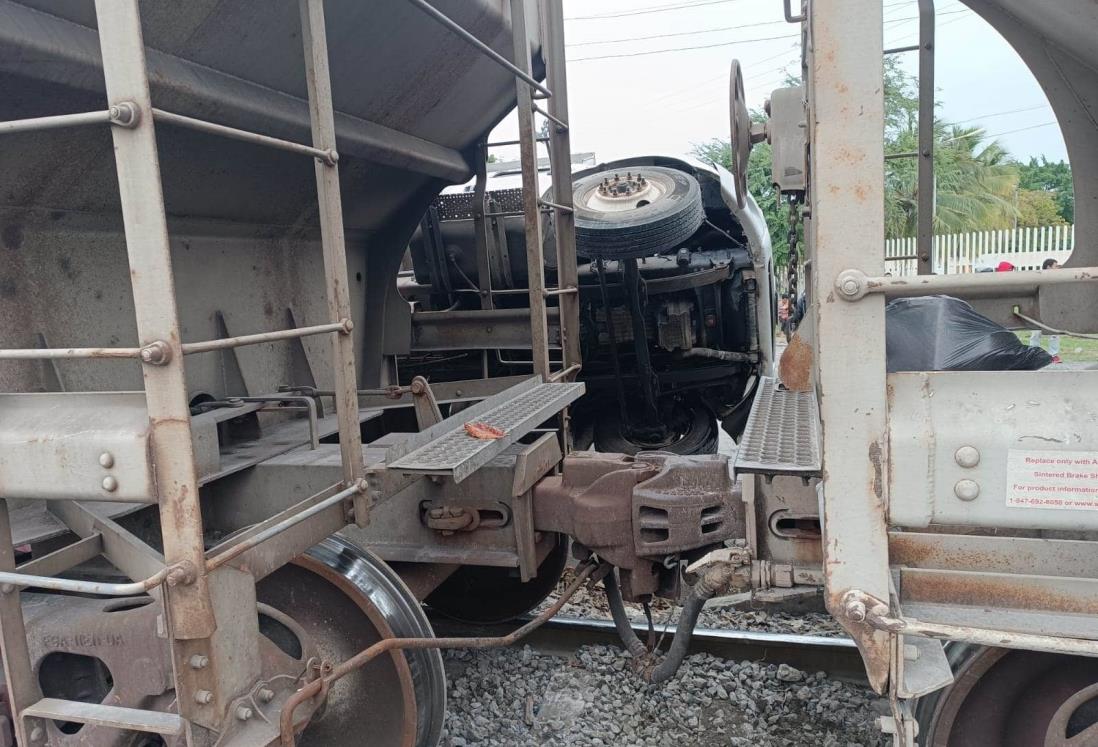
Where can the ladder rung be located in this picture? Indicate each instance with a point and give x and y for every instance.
(116, 717)
(559, 291)
(51, 123)
(558, 122)
(555, 206)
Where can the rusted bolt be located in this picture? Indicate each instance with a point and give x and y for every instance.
(181, 574)
(37, 733)
(854, 609)
(266, 694)
(125, 114)
(244, 713)
(851, 285)
(106, 460)
(203, 697)
(967, 490)
(199, 661)
(967, 456)
(110, 484)
(157, 353)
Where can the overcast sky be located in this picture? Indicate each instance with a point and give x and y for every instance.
(664, 103)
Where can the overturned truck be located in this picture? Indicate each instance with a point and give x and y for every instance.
(235, 459)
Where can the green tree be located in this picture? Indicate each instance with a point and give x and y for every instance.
(1037, 207)
(1053, 177)
(759, 184)
(975, 181)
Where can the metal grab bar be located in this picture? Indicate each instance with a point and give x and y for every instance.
(180, 573)
(853, 285)
(276, 526)
(861, 607)
(327, 156)
(189, 348)
(37, 354)
(492, 54)
(55, 122)
(123, 114)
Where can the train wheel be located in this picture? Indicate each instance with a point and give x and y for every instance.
(346, 599)
(1013, 698)
(483, 595)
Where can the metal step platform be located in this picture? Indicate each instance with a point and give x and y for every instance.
(447, 449)
(782, 436)
(128, 719)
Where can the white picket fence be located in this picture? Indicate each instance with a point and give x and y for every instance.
(1025, 248)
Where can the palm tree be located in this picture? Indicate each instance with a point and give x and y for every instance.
(975, 183)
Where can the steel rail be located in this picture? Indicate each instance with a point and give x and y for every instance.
(321, 684)
(327, 156)
(484, 49)
(838, 656)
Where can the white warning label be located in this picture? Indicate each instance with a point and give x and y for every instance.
(1052, 479)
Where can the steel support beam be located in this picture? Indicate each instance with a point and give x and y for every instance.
(22, 683)
(528, 157)
(335, 255)
(560, 164)
(925, 216)
(143, 216)
(846, 230)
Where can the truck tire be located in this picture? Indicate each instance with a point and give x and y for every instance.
(696, 432)
(635, 212)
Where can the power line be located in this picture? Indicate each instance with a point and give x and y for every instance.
(996, 114)
(714, 46)
(645, 11)
(707, 83)
(683, 49)
(679, 33)
(981, 134)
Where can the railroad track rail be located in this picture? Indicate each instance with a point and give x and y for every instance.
(837, 656)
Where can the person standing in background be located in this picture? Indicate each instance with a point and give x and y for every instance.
(1035, 336)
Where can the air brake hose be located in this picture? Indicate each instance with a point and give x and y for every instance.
(712, 580)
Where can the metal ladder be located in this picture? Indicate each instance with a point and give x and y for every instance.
(529, 91)
(132, 118)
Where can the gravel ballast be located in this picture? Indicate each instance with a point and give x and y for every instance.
(519, 697)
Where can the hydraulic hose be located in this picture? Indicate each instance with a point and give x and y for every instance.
(712, 580)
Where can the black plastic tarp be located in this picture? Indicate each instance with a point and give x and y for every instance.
(941, 333)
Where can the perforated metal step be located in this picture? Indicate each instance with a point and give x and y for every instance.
(782, 436)
(447, 449)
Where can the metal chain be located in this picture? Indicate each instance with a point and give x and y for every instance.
(793, 260)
